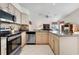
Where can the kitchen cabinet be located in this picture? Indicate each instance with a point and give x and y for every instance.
(54, 43)
(21, 18)
(42, 37)
(24, 19)
(18, 16)
(11, 9)
(23, 38)
(69, 45)
(51, 41)
(4, 6)
(64, 44)
(78, 44)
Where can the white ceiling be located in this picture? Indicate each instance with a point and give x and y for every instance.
(54, 11)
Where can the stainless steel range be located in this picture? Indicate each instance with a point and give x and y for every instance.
(10, 44)
(13, 43)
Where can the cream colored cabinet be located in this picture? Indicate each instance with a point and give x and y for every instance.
(4, 6)
(24, 18)
(69, 45)
(51, 41)
(54, 43)
(18, 16)
(42, 37)
(8, 7)
(11, 9)
(64, 45)
(23, 38)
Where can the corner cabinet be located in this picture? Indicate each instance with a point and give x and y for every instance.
(51, 41)
(54, 43)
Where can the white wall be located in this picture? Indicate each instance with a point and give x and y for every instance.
(72, 17)
(6, 25)
(37, 23)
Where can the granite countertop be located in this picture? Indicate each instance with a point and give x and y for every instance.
(60, 35)
(65, 35)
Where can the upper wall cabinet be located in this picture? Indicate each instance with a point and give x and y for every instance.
(21, 18)
(18, 16)
(11, 9)
(4, 6)
(24, 19)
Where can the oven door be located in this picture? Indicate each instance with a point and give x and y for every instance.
(0, 45)
(13, 44)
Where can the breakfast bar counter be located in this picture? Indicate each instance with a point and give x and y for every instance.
(64, 44)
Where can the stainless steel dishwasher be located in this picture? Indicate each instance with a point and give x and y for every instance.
(31, 38)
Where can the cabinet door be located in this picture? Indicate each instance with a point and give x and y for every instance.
(4, 6)
(56, 45)
(51, 41)
(42, 38)
(11, 9)
(24, 38)
(24, 19)
(17, 14)
(38, 37)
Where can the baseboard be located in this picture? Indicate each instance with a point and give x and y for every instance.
(30, 43)
(41, 43)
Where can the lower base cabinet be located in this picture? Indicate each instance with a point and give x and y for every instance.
(64, 45)
(24, 38)
(54, 43)
(42, 37)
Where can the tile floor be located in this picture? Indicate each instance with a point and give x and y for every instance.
(36, 50)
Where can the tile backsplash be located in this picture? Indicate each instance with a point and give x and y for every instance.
(14, 26)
